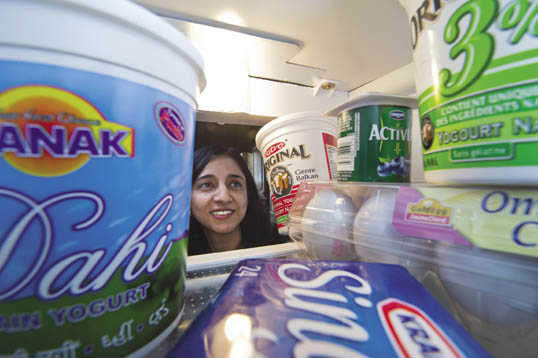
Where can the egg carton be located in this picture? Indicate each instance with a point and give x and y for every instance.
(474, 248)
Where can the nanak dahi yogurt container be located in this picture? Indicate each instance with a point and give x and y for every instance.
(97, 106)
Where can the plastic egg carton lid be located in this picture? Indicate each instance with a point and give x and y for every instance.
(304, 229)
(440, 225)
(517, 269)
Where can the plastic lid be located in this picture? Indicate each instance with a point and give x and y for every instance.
(373, 230)
(288, 119)
(145, 20)
(373, 99)
(112, 16)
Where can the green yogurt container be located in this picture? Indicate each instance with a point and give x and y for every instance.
(374, 137)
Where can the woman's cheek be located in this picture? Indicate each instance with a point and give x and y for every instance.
(244, 205)
(198, 202)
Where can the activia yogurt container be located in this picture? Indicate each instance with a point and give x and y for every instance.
(374, 138)
(477, 80)
(97, 106)
(296, 147)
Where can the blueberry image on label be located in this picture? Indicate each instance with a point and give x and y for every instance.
(400, 166)
(397, 161)
(384, 169)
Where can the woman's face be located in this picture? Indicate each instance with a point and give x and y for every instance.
(219, 196)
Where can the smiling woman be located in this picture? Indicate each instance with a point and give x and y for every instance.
(226, 211)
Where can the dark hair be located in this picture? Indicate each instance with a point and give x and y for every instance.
(256, 227)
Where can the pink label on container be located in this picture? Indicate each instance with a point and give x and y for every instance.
(430, 219)
(429, 211)
(425, 218)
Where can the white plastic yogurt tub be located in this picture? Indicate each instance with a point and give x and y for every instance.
(296, 147)
(477, 81)
(97, 107)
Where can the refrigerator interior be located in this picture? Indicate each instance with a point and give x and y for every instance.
(265, 60)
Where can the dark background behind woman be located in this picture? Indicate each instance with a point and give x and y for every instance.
(256, 227)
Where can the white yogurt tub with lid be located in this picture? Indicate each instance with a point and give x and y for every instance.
(97, 106)
(296, 147)
(477, 80)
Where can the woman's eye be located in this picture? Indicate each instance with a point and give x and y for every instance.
(205, 186)
(236, 184)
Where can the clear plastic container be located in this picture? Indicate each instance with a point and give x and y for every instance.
(474, 248)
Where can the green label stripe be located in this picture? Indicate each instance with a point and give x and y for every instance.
(482, 156)
(520, 56)
(491, 81)
(502, 61)
(497, 151)
(282, 219)
(493, 129)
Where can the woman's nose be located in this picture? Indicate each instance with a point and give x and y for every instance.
(222, 194)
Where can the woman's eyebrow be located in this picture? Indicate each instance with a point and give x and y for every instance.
(236, 176)
(207, 176)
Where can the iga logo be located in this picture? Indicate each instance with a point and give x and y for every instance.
(47, 131)
(412, 333)
(273, 149)
(170, 122)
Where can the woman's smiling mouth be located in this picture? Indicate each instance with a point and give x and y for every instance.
(221, 214)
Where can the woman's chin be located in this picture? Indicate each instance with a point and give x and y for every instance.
(225, 229)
